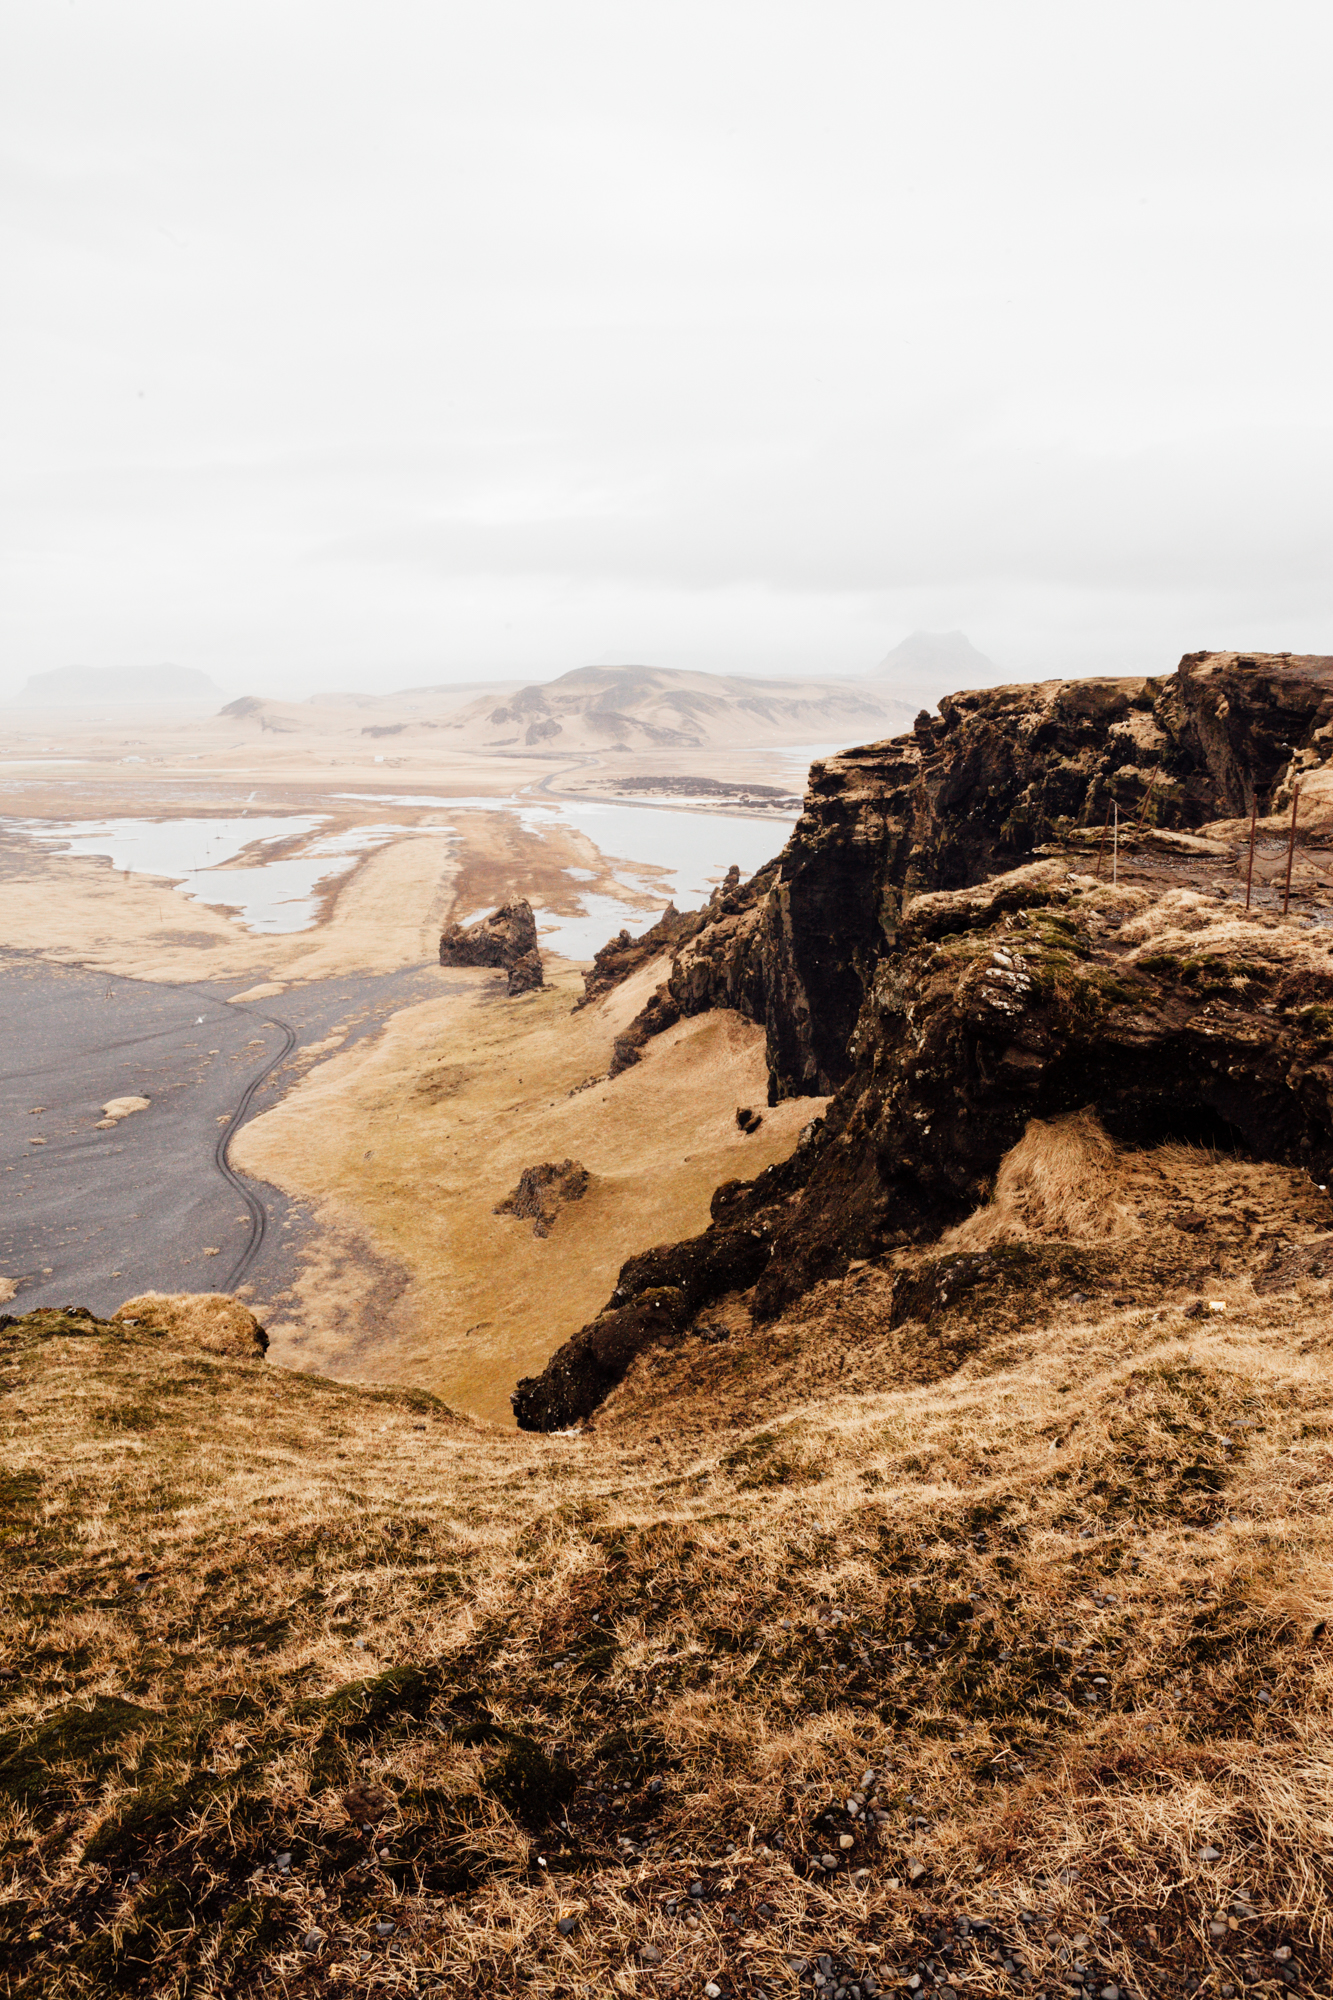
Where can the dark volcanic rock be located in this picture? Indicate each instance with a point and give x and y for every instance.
(971, 793)
(624, 954)
(657, 1295)
(909, 954)
(542, 1190)
(507, 939)
(1028, 997)
(1036, 1006)
(660, 1012)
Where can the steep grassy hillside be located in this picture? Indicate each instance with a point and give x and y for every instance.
(967, 1627)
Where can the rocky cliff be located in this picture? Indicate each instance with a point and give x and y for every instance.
(941, 945)
(980, 789)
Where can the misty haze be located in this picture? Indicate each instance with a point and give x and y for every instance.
(666, 1001)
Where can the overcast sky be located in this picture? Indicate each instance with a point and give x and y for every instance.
(355, 345)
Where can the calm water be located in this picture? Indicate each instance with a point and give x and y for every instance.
(193, 854)
(692, 849)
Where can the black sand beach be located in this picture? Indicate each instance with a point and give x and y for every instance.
(92, 1216)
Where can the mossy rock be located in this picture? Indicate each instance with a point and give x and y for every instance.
(403, 1694)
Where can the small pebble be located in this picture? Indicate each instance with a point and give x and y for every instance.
(1282, 1953)
(312, 1940)
(1210, 1854)
(713, 1991)
(846, 1840)
(565, 1926)
(650, 1955)
(697, 1890)
(828, 1862)
(385, 1930)
(1110, 1993)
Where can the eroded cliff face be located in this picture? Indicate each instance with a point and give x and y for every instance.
(898, 956)
(998, 775)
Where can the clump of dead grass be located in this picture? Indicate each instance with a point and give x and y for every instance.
(1061, 1182)
(213, 1321)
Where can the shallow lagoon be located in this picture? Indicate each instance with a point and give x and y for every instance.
(272, 896)
(693, 849)
(673, 854)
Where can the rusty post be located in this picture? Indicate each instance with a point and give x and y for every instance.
(1249, 872)
(1291, 849)
(1101, 845)
(1148, 798)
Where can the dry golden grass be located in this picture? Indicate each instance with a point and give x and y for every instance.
(1058, 1182)
(213, 1321)
(409, 1143)
(1058, 1612)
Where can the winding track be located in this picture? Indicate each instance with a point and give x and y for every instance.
(255, 1208)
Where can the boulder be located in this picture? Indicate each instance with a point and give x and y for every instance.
(542, 1191)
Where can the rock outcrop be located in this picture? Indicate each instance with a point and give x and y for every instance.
(898, 956)
(624, 954)
(507, 939)
(657, 1295)
(980, 789)
(542, 1192)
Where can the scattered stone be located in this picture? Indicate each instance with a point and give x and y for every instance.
(697, 1890)
(312, 1941)
(916, 1871)
(846, 1840)
(541, 1191)
(565, 1925)
(366, 1803)
(385, 1929)
(747, 1119)
(712, 1990)
(650, 1955)
(1208, 1854)
(506, 939)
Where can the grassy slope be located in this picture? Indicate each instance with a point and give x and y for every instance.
(417, 1136)
(1055, 1569)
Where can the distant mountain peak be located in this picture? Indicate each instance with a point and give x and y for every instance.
(926, 665)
